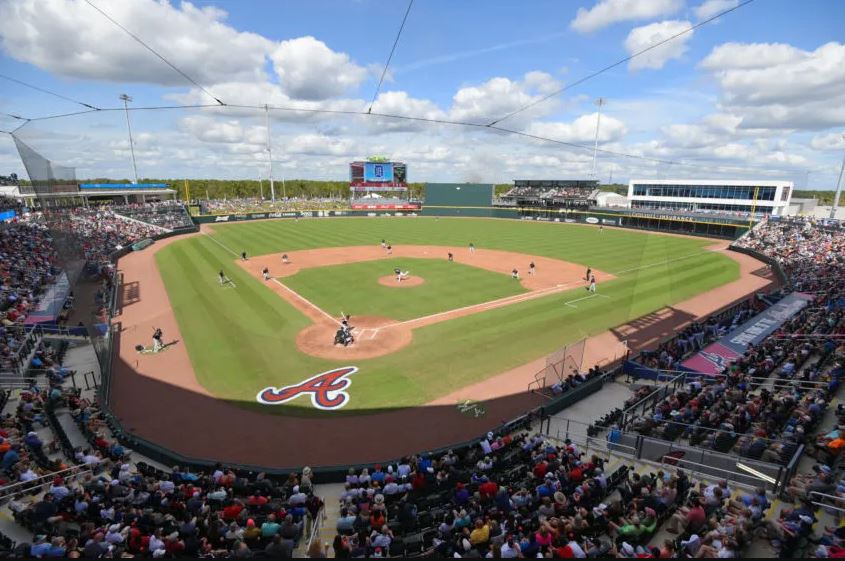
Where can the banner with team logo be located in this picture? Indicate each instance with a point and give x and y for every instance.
(714, 358)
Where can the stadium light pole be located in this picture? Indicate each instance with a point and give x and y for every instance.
(600, 101)
(838, 188)
(126, 99)
(269, 153)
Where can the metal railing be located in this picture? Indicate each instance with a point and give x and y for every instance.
(316, 526)
(40, 482)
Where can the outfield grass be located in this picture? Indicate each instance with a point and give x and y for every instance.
(354, 289)
(242, 340)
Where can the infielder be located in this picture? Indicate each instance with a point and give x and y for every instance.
(515, 274)
(223, 279)
(266, 273)
(592, 287)
(243, 256)
(471, 247)
(285, 259)
(531, 267)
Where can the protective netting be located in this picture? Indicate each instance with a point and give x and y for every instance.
(65, 285)
(563, 363)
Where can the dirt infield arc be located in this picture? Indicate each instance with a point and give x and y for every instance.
(381, 336)
(158, 397)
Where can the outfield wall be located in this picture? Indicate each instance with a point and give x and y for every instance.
(711, 227)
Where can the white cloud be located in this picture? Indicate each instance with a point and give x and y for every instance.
(317, 144)
(608, 12)
(581, 130)
(72, 39)
(831, 141)
(643, 37)
(780, 86)
(308, 69)
(499, 96)
(751, 55)
(712, 7)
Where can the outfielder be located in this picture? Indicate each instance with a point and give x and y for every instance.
(471, 247)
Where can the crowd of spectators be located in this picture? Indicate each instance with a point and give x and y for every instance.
(171, 215)
(98, 231)
(543, 196)
(93, 501)
(27, 267)
(254, 204)
(769, 401)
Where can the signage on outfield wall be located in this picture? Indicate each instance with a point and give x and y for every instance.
(591, 220)
(570, 220)
(606, 221)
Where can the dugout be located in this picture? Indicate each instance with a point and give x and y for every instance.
(448, 199)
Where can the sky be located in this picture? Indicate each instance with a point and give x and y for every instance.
(758, 93)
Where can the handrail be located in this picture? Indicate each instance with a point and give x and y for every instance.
(315, 527)
(73, 471)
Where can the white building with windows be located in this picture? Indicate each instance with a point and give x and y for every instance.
(731, 196)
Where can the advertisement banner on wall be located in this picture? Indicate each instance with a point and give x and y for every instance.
(714, 358)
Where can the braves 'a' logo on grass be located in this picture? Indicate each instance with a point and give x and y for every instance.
(327, 389)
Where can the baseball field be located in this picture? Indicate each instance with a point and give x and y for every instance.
(458, 323)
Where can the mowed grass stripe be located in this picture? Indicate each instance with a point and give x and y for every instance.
(579, 244)
(245, 337)
(354, 289)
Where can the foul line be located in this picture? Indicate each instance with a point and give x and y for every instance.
(212, 238)
(572, 302)
(304, 299)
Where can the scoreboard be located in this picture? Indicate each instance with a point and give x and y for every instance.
(378, 173)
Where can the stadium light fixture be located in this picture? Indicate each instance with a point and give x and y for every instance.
(269, 154)
(126, 99)
(838, 188)
(599, 102)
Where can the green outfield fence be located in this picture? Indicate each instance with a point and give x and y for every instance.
(713, 227)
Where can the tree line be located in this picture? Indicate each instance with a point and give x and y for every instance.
(311, 188)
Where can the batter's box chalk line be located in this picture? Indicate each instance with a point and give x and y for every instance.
(571, 303)
(367, 334)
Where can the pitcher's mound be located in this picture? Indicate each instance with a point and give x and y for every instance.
(390, 280)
